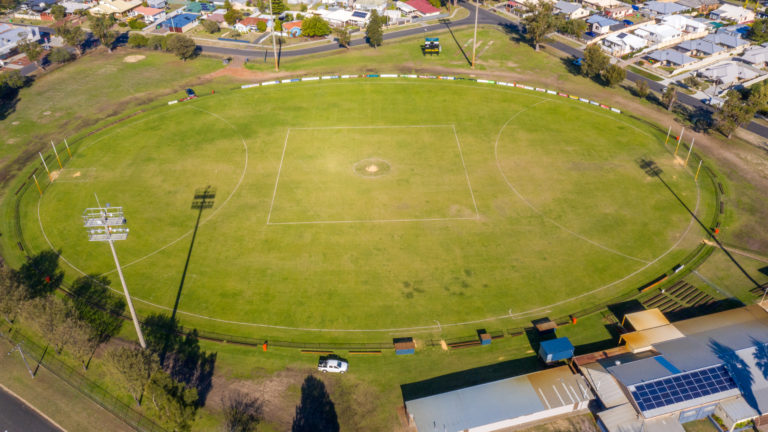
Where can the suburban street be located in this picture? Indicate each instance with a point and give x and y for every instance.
(17, 416)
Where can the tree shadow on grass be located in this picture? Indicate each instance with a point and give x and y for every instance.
(316, 412)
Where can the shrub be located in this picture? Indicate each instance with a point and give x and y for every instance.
(136, 24)
(137, 40)
(157, 43)
(60, 55)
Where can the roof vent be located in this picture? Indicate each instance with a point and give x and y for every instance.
(617, 362)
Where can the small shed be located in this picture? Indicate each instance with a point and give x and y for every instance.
(556, 349)
(404, 346)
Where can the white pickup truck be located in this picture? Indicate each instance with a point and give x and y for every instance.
(332, 365)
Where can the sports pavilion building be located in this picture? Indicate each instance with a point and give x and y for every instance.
(665, 374)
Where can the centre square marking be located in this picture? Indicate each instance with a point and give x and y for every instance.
(318, 183)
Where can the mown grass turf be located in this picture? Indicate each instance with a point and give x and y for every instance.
(597, 223)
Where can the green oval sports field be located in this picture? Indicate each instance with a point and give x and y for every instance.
(376, 205)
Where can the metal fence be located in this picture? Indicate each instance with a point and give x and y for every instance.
(83, 384)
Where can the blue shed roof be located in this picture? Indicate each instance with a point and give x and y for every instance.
(179, 20)
(558, 348)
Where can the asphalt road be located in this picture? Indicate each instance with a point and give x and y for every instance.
(16, 416)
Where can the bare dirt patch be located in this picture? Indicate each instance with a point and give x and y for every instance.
(75, 175)
(134, 58)
(54, 175)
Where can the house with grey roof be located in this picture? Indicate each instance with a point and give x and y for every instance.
(623, 43)
(729, 73)
(11, 36)
(699, 48)
(570, 10)
(601, 24)
(756, 55)
(674, 373)
(727, 40)
(670, 57)
(700, 6)
(663, 8)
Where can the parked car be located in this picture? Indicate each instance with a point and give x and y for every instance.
(332, 365)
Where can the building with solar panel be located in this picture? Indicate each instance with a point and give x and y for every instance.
(668, 374)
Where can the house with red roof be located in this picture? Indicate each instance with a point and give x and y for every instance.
(292, 28)
(421, 8)
(249, 24)
(149, 14)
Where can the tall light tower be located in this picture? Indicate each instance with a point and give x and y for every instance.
(274, 44)
(108, 224)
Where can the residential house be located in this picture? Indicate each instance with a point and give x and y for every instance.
(663, 8)
(756, 55)
(150, 15)
(673, 373)
(422, 8)
(700, 6)
(119, 8)
(217, 16)
(600, 24)
(292, 28)
(11, 35)
(618, 12)
(369, 5)
(37, 5)
(251, 24)
(699, 48)
(623, 43)
(199, 7)
(501, 404)
(685, 24)
(157, 4)
(73, 6)
(570, 10)
(729, 12)
(658, 33)
(729, 73)
(179, 23)
(726, 39)
(601, 4)
(670, 57)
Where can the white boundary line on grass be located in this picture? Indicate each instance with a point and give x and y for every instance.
(541, 309)
(351, 221)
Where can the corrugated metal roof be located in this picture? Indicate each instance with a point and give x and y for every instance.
(639, 371)
(622, 418)
(646, 339)
(604, 384)
(738, 409)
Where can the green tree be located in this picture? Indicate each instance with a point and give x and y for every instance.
(101, 27)
(594, 62)
(641, 87)
(573, 27)
(182, 46)
(242, 412)
(669, 97)
(315, 26)
(373, 31)
(60, 55)
(48, 316)
(227, 5)
(12, 293)
(172, 403)
(41, 274)
(539, 21)
(614, 74)
(435, 3)
(736, 111)
(278, 25)
(303, 7)
(97, 306)
(9, 4)
(210, 26)
(132, 369)
(261, 26)
(278, 7)
(137, 40)
(73, 36)
(80, 344)
(342, 36)
(157, 42)
(58, 11)
(232, 16)
(759, 31)
(33, 50)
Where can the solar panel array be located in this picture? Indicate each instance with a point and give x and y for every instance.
(358, 14)
(681, 388)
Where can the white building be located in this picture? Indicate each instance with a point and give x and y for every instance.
(658, 33)
(623, 43)
(729, 12)
(685, 24)
(11, 35)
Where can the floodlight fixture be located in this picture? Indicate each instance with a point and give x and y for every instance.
(108, 224)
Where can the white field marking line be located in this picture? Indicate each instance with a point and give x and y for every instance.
(534, 208)
(212, 214)
(371, 221)
(430, 327)
(350, 221)
(277, 179)
(466, 173)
